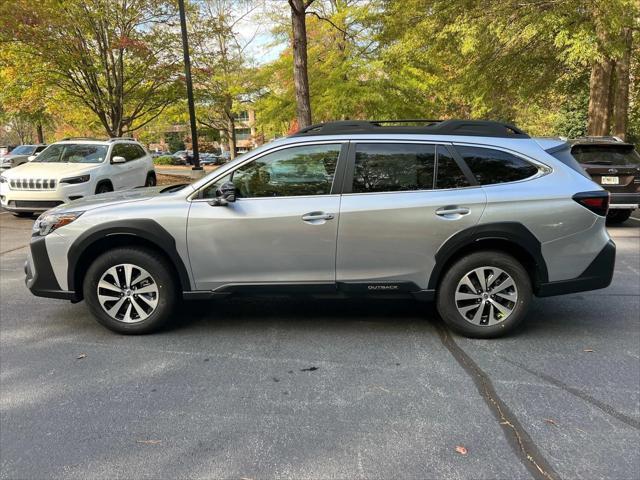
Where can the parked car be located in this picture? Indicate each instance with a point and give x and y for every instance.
(615, 165)
(475, 215)
(19, 155)
(209, 159)
(181, 157)
(73, 169)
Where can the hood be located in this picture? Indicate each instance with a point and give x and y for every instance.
(49, 170)
(112, 198)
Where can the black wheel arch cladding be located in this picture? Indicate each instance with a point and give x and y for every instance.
(514, 233)
(145, 229)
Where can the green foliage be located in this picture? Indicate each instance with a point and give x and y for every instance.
(163, 160)
(175, 142)
(572, 119)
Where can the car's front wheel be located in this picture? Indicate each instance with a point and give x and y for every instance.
(485, 294)
(130, 290)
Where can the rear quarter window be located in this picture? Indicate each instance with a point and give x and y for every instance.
(491, 166)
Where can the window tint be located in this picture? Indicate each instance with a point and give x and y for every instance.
(606, 154)
(136, 151)
(40, 148)
(448, 173)
(306, 170)
(385, 167)
(494, 166)
(119, 150)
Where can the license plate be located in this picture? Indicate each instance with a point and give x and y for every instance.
(610, 180)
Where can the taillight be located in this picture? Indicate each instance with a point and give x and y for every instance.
(597, 202)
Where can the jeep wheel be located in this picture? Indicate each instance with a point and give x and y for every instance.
(130, 290)
(103, 188)
(485, 294)
(618, 216)
(151, 180)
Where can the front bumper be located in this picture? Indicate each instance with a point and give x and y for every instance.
(624, 201)
(598, 275)
(39, 276)
(41, 200)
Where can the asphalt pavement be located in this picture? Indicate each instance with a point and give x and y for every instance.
(299, 388)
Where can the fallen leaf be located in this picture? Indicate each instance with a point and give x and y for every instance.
(587, 350)
(551, 422)
(149, 442)
(461, 450)
(81, 356)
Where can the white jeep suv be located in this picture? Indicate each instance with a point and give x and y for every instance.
(73, 169)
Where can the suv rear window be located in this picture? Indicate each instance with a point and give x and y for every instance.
(606, 154)
(385, 167)
(491, 166)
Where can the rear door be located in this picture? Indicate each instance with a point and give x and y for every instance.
(401, 201)
(138, 164)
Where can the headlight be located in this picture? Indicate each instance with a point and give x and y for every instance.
(48, 222)
(72, 180)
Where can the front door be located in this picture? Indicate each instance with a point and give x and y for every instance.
(281, 229)
(401, 202)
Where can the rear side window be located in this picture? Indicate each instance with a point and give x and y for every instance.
(385, 167)
(491, 166)
(448, 173)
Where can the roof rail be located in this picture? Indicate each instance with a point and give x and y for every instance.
(478, 128)
(113, 139)
(79, 138)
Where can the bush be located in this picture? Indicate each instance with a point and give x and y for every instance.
(163, 160)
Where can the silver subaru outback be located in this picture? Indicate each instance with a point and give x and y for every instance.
(475, 215)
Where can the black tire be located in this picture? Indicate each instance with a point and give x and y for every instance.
(162, 274)
(23, 214)
(446, 301)
(151, 180)
(104, 188)
(618, 216)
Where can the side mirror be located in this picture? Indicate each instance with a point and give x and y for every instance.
(118, 160)
(32, 157)
(224, 195)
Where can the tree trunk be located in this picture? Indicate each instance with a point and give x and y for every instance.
(300, 76)
(39, 133)
(230, 127)
(599, 116)
(621, 88)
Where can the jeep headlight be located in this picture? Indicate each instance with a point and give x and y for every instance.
(74, 180)
(3, 179)
(48, 222)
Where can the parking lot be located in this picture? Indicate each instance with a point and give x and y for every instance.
(302, 388)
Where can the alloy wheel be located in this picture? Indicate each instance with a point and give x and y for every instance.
(486, 296)
(128, 293)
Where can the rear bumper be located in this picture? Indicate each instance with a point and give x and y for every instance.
(39, 276)
(598, 275)
(626, 201)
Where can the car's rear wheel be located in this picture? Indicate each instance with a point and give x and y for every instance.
(485, 294)
(618, 216)
(130, 290)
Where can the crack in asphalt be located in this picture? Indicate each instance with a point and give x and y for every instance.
(13, 249)
(606, 408)
(517, 437)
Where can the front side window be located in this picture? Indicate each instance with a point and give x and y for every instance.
(491, 166)
(387, 167)
(73, 153)
(304, 170)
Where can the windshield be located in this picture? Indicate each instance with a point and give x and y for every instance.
(73, 153)
(606, 155)
(23, 150)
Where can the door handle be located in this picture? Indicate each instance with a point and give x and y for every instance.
(452, 211)
(311, 216)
